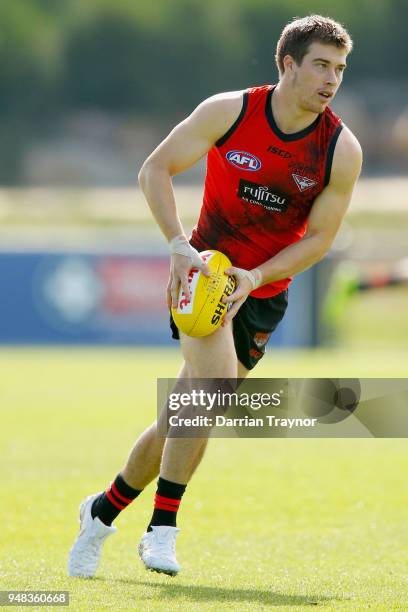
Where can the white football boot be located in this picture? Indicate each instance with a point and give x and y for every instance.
(85, 554)
(157, 550)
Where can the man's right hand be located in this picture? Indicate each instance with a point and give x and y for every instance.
(184, 257)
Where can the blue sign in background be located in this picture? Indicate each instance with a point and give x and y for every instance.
(81, 298)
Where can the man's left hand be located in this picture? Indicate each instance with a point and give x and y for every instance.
(247, 281)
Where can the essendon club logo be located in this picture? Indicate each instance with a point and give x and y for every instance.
(243, 160)
(261, 339)
(303, 182)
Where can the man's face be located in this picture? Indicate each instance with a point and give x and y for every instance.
(316, 80)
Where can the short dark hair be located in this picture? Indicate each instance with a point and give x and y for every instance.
(300, 33)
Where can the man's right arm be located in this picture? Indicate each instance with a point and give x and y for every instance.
(188, 142)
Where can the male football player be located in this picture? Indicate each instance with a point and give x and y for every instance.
(281, 167)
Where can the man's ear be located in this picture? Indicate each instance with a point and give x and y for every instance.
(288, 63)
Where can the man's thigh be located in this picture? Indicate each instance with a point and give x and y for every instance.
(212, 356)
(242, 370)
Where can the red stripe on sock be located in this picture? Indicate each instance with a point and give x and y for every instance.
(159, 506)
(121, 498)
(170, 501)
(113, 500)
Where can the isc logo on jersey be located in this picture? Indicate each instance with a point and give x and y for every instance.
(243, 160)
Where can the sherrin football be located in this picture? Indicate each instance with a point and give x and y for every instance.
(204, 313)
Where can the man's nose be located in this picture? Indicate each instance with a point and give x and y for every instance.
(331, 77)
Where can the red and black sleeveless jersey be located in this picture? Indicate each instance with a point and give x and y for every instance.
(261, 184)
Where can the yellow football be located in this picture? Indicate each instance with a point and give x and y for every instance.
(205, 311)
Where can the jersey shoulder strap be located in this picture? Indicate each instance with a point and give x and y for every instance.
(252, 98)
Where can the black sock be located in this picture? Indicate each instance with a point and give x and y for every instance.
(115, 499)
(166, 503)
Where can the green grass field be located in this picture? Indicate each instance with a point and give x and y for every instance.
(282, 524)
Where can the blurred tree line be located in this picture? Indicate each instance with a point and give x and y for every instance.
(161, 57)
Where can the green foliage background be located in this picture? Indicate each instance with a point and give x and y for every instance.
(164, 56)
(158, 59)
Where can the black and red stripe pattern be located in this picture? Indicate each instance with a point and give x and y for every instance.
(118, 500)
(115, 499)
(166, 503)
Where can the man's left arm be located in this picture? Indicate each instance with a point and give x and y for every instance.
(324, 221)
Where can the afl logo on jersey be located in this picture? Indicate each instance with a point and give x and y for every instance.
(243, 160)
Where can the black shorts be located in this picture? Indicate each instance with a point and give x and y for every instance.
(252, 326)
